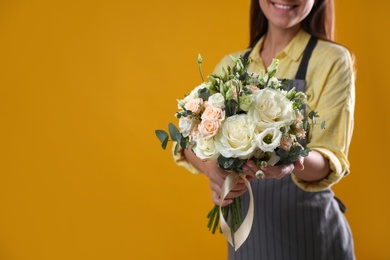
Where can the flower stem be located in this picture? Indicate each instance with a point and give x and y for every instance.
(200, 66)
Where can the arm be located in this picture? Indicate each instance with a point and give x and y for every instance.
(216, 177)
(332, 94)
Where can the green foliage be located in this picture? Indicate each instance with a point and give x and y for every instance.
(175, 135)
(204, 94)
(231, 107)
(163, 137)
(231, 164)
(292, 155)
(313, 115)
(174, 132)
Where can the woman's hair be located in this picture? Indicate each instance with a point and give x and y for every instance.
(319, 22)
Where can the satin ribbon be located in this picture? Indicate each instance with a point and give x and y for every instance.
(242, 233)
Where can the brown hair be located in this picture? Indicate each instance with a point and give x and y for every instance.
(319, 22)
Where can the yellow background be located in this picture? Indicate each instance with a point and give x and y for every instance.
(83, 86)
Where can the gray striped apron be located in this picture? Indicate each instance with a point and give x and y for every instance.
(293, 224)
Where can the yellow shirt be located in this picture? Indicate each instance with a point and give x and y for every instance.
(331, 92)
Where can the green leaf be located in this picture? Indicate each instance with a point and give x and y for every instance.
(204, 94)
(184, 142)
(230, 107)
(323, 125)
(305, 152)
(313, 114)
(174, 132)
(232, 164)
(163, 137)
(177, 148)
(306, 126)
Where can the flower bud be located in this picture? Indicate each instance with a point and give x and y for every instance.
(180, 103)
(229, 93)
(301, 97)
(291, 93)
(273, 68)
(224, 74)
(263, 80)
(200, 59)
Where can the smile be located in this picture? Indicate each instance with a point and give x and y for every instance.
(283, 7)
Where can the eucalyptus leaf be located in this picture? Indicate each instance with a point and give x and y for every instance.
(177, 146)
(204, 94)
(323, 125)
(163, 137)
(184, 142)
(231, 164)
(174, 132)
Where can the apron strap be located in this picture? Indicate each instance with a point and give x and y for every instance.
(302, 70)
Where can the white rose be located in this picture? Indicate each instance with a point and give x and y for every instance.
(269, 139)
(217, 100)
(270, 108)
(237, 137)
(205, 149)
(186, 124)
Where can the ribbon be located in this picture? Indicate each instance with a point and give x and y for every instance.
(242, 233)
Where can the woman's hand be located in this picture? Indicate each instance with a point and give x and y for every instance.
(217, 176)
(273, 172)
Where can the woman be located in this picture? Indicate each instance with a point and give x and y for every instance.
(296, 214)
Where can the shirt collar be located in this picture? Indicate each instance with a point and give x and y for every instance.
(294, 49)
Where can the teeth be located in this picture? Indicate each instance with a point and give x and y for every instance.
(284, 7)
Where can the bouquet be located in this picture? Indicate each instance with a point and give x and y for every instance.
(238, 116)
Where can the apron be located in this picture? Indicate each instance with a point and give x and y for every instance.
(290, 223)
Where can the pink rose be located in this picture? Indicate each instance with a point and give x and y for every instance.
(286, 142)
(194, 105)
(252, 88)
(300, 133)
(195, 131)
(209, 128)
(213, 113)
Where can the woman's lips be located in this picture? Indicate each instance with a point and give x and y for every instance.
(283, 7)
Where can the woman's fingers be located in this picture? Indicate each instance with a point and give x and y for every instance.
(217, 200)
(274, 172)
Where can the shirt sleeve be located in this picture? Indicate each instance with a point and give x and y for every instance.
(181, 160)
(332, 95)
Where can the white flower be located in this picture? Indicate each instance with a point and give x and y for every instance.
(186, 124)
(205, 149)
(273, 82)
(270, 108)
(193, 95)
(237, 137)
(269, 139)
(273, 158)
(217, 100)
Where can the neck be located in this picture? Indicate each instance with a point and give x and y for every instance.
(277, 39)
